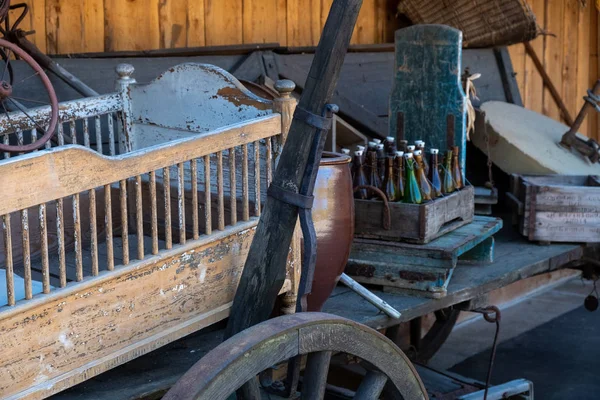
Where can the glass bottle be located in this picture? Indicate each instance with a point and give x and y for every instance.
(402, 145)
(420, 145)
(389, 145)
(447, 180)
(424, 186)
(412, 194)
(434, 174)
(389, 184)
(346, 151)
(456, 172)
(359, 178)
(410, 149)
(373, 176)
(363, 151)
(380, 161)
(399, 173)
(377, 141)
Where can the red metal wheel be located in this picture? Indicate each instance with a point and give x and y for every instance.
(27, 111)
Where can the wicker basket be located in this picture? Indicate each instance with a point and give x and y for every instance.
(484, 23)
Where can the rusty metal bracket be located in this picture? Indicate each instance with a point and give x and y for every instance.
(588, 148)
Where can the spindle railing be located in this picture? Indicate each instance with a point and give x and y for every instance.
(97, 213)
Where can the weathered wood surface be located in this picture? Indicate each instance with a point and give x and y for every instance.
(264, 271)
(415, 223)
(515, 259)
(88, 328)
(557, 208)
(427, 100)
(69, 170)
(426, 268)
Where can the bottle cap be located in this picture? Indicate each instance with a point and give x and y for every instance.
(360, 148)
(390, 139)
(419, 143)
(372, 145)
(411, 148)
(408, 155)
(417, 152)
(434, 151)
(358, 153)
(399, 153)
(377, 141)
(346, 151)
(379, 147)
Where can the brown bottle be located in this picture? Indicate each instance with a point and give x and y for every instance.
(434, 174)
(359, 177)
(456, 172)
(389, 145)
(373, 176)
(389, 185)
(399, 173)
(380, 161)
(420, 145)
(363, 150)
(424, 186)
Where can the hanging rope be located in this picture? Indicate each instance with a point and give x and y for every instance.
(471, 93)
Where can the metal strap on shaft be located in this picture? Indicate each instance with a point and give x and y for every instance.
(314, 120)
(289, 197)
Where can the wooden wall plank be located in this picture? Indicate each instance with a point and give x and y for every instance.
(262, 21)
(593, 120)
(303, 22)
(195, 23)
(366, 24)
(223, 19)
(36, 20)
(569, 59)
(64, 25)
(173, 23)
(517, 58)
(553, 53)
(131, 25)
(583, 56)
(534, 86)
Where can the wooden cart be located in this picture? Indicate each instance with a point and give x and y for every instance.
(132, 229)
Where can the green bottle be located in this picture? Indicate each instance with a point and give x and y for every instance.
(412, 194)
(447, 180)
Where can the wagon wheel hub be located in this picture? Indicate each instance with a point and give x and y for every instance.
(6, 90)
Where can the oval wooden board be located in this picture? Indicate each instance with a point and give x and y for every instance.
(525, 142)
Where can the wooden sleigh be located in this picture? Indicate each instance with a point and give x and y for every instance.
(131, 230)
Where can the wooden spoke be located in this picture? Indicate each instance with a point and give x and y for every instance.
(371, 386)
(315, 375)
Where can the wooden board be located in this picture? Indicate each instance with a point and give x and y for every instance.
(515, 259)
(424, 269)
(525, 142)
(86, 329)
(415, 223)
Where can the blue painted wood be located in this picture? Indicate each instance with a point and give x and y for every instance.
(427, 87)
(423, 269)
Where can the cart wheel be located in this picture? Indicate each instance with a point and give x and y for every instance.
(241, 358)
(20, 111)
(423, 348)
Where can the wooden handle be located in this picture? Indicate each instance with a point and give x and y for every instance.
(387, 215)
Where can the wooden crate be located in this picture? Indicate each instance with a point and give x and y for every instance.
(414, 223)
(423, 270)
(556, 208)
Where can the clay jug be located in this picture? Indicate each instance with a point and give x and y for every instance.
(333, 216)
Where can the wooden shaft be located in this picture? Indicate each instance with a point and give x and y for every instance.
(93, 232)
(570, 136)
(44, 248)
(264, 270)
(8, 263)
(124, 220)
(139, 217)
(257, 179)
(60, 239)
(181, 202)
(77, 238)
(245, 201)
(549, 84)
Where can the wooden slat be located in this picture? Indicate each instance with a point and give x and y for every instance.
(533, 96)
(67, 170)
(26, 253)
(196, 29)
(264, 21)
(124, 221)
(220, 193)
(194, 179)
(365, 31)
(44, 248)
(60, 239)
(8, 260)
(37, 20)
(232, 186)
(74, 26)
(269, 161)
(131, 25)
(111, 134)
(167, 201)
(154, 212)
(593, 118)
(98, 128)
(256, 179)
(303, 22)
(207, 197)
(553, 52)
(139, 217)
(93, 232)
(245, 199)
(583, 56)
(181, 202)
(108, 223)
(569, 59)
(172, 23)
(223, 22)
(517, 58)
(77, 239)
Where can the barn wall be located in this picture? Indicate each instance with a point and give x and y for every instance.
(570, 52)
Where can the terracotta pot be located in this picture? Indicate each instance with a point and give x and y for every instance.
(333, 216)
